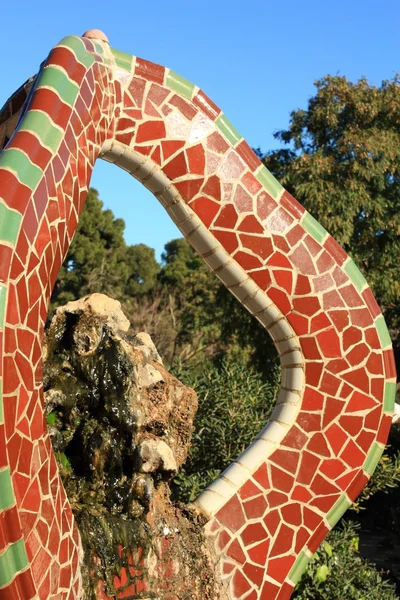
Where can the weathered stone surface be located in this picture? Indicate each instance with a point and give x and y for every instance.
(156, 455)
(121, 427)
(148, 375)
(147, 346)
(98, 305)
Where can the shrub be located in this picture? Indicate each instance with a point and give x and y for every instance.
(234, 405)
(337, 571)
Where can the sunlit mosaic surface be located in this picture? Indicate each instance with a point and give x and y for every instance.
(271, 509)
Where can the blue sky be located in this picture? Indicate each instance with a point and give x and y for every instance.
(257, 60)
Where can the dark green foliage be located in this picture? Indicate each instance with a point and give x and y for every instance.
(99, 260)
(95, 254)
(386, 478)
(244, 337)
(337, 572)
(234, 405)
(179, 263)
(142, 269)
(193, 290)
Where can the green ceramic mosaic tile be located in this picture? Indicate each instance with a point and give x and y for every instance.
(390, 396)
(123, 60)
(383, 332)
(10, 221)
(38, 122)
(373, 458)
(18, 162)
(7, 494)
(78, 47)
(313, 227)
(56, 79)
(271, 184)
(338, 510)
(228, 130)
(299, 567)
(99, 48)
(12, 561)
(355, 275)
(180, 84)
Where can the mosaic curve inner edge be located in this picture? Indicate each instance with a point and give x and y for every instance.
(269, 511)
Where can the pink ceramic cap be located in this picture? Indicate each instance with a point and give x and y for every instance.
(96, 34)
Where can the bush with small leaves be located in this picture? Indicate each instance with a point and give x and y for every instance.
(234, 405)
(338, 572)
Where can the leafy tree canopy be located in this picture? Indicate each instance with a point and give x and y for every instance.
(100, 261)
(142, 269)
(180, 262)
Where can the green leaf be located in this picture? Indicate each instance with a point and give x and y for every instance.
(328, 548)
(355, 543)
(322, 573)
(62, 459)
(52, 418)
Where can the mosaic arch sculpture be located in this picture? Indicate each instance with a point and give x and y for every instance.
(270, 509)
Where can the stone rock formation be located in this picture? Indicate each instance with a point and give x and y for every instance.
(121, 427)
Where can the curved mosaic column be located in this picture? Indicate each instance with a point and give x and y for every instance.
(272, 507)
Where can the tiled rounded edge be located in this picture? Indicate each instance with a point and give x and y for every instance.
(252, 297)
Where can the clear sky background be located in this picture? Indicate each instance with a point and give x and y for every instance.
(256, 59)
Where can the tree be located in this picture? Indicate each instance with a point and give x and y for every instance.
(180, 261)
(94, 257)
(191, 291)
(99, 260)
(343, 164)
(142, 269)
